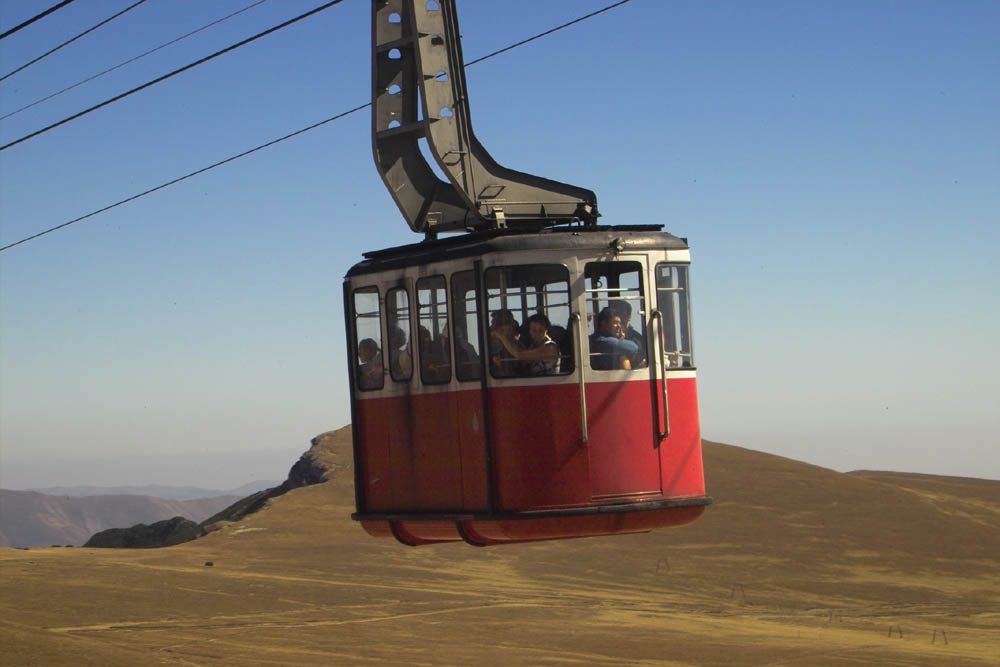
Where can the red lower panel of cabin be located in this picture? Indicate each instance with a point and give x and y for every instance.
(425, 456)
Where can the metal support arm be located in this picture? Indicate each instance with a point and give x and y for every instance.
(418, 91)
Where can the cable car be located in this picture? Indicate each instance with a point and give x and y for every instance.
(529, 377)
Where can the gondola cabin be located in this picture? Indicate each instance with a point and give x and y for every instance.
(456, 439)
(531, 377)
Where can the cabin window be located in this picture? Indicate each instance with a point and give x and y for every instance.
(397, 313)
(672, 300)
(616, 314)
(432, 330)
(368, 336)
(515, 295)
(465, 322)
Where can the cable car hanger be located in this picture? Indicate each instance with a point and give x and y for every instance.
(419, 92)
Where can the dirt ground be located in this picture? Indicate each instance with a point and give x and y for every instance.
(792, 565)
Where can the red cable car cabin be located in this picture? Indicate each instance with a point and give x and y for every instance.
(455, 439)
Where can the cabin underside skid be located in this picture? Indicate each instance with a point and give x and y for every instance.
(415, 529)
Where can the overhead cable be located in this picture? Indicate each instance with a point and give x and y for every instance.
(70, 41)
(132, 60)
(187, 176)
(547, 32)
(35, 18)
(171, 74)
(287, 136)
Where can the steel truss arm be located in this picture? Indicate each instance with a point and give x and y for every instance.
(419, 91)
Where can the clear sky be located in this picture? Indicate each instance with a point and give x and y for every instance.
(835, 166)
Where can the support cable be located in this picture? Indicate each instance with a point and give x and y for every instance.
(187, 176)
(70, 41)
(171, 74)
(547, 32)
(132, 60)
(36, 18)
(280, 139)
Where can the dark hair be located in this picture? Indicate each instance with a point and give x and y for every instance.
(541, 319)
(606, 315)
(503, 316)
(397, 337)
(623, 308)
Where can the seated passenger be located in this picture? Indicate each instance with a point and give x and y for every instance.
(435, 364)
(400, 362)
(565, 345)
(624, 310)
(502, 326)
(609, 350)
(542, 357)
(466, 358)
(370, 369)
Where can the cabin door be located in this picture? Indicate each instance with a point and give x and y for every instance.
(621, 404)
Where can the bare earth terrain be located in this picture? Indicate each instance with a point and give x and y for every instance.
(792, 565)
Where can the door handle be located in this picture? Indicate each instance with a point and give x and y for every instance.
(657, 316)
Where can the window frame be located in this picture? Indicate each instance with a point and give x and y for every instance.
(683, 329)
(593, 297)
(541, 298)
(425, 378)
(409, 332)
(356, 337)
(477, 319)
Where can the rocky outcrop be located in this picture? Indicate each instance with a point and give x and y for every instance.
(315, 466)
(160, 534)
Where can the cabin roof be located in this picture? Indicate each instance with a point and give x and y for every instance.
(637, 237)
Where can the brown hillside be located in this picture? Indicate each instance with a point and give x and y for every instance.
(792, 565)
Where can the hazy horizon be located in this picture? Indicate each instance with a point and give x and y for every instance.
(833, 165)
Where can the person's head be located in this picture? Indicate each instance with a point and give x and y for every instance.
(397, 338)
(425, 337)
(367, 350)
(609, 322)
(503, 321)
(538, 328)
(624, 310)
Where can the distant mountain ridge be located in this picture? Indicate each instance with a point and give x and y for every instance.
(32, 519)
(313, 467)
(156, 490)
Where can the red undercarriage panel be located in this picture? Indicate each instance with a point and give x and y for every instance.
(507, 531)
(431, 479)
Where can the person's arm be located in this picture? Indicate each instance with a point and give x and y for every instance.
(547, 352)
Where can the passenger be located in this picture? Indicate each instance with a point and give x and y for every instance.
(466, 358)
(435, 366)
(564, 340)
(608, 348)
(503, 326)
(400, 361)
(370, 369)
(624, 309)
(542, 357)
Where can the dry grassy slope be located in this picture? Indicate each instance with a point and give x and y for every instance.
(793, 565)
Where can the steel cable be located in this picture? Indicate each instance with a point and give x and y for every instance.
(287, 136)
(70, 41)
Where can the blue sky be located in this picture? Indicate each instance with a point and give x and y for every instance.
(835, 166)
